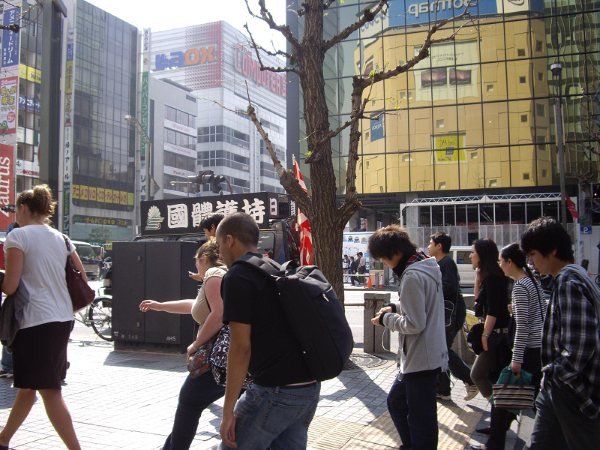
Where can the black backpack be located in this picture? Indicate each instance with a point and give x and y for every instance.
(313, 312)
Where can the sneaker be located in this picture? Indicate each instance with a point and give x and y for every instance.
(471, 391)
(5, 374)
(443, 396)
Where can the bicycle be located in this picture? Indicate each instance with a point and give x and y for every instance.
(99, 316)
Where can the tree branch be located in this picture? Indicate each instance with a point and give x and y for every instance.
(257, 48)
(368, 16)
(286, 177)
(267, 17)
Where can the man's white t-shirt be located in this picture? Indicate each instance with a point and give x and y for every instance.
(44, 259)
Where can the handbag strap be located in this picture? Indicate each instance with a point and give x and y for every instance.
(67, 244)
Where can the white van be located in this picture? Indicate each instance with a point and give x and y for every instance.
(460, 254)
(88, 258)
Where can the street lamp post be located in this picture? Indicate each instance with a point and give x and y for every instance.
(556, 69)
(131, 120)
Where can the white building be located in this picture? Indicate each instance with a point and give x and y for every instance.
(216, 63)
(174, 134)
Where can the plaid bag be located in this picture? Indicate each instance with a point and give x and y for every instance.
(513, 392)
(218, 358)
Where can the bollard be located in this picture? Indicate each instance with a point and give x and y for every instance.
(372, 334)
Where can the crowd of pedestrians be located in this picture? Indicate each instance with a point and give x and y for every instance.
(271, 397)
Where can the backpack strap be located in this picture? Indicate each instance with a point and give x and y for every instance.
(265, 265)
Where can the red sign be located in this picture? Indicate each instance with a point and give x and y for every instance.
(250, 68)
(7, 180)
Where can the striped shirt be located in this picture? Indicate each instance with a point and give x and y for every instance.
(571, 339)
(528, 311)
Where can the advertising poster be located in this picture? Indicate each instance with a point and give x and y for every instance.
(10, 39)
(8, 104)
(7, 188)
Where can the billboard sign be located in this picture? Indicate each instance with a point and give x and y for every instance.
(183, 216)
(8, 104)
(7, 180)
(190, 57)
(10, 39)
(246, 65)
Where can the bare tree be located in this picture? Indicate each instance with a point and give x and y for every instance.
(305, 57)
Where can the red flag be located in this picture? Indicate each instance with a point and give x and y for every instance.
(306, 247)
(572, 208)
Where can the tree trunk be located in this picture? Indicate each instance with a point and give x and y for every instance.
(327, 240)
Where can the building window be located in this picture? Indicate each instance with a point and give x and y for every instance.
(439, 123)
(524, 118)
(539, 46)
(521, 52)
(522, 79)
(541, 76)
(540, 111)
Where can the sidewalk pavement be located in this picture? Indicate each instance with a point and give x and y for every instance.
(127, 400)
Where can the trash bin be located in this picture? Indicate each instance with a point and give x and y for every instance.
(373, 334)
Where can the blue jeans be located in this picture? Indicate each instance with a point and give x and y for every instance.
(275, 417)
(7, 364)
(559, 424)
(412, 406)
(195, 395)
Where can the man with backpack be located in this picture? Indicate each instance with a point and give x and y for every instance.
(276, 410)
(454, 315)
(568, 405)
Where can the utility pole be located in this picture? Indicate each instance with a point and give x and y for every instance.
(556, 69)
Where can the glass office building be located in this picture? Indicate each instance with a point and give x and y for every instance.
(99, 158)
(477, 117)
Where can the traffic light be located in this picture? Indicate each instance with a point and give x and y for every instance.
(215, 183)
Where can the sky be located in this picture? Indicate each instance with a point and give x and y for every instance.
(181, 13)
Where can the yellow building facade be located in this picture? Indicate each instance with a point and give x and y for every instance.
(475, 114)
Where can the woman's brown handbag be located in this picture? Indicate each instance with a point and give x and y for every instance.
(81, 294)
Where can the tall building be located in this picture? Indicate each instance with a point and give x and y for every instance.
(99, 167)
(173, 133)
(30, 86)
(216, 63)
(466, 140)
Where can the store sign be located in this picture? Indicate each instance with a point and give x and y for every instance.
(183, 216)
(7, 188)
(377, 127)
(246, 65)
(29, 104)
(10, 39)
(30, 73)
(189, 57)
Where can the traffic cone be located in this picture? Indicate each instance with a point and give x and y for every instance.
(369, 283)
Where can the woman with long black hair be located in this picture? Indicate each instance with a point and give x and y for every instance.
(492, 307)
(528, 308)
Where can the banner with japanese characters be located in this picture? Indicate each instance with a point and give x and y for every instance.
(183, 216)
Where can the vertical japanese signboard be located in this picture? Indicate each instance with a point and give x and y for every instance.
(145, 116)
(68, 128)
(9, 104)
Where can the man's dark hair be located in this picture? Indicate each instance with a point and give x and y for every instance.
(241, 226)
(213, 219)
(442, 238)
(546, 235)
(389, 241)
(359, 254)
